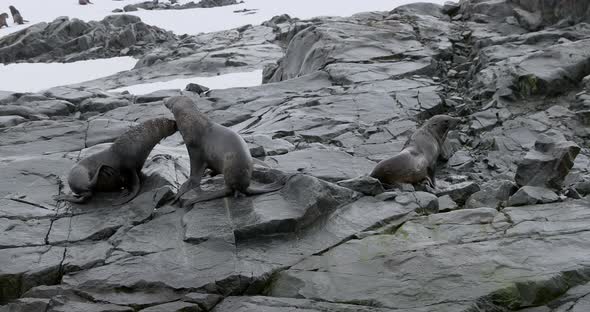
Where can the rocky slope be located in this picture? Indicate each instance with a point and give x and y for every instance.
(507, 229)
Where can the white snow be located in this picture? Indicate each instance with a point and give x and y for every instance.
(194, 21)
(233, 80)
(34, 77)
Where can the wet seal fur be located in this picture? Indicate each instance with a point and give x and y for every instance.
(211, 145)
(18, 19)
(416, 163)
(3, 18)
(119, 165)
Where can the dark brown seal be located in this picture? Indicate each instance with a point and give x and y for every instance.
(84, 2)
(417, 161)
(119, 165)
(16, 16)
(211, 145)
(3, 18)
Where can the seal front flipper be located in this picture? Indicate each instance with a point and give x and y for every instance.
(78, 199)
(134, 188)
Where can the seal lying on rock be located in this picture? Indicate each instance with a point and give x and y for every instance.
(18, 19)
(119, 165)
(3, 18)
(417, 161)
(211, 145)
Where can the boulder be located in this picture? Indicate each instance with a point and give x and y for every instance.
(548, 164)
(532, 195)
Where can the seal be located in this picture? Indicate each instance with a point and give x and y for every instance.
(416, 162)
(18, 19)
(3, 18)
(218, 148)
(84, 2)
(119, 165)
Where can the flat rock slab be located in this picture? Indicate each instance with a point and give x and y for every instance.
(497, 252)
(324, 164)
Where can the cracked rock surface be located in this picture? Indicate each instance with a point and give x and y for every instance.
(340, 95)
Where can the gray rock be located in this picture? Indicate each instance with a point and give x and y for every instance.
(361, 271)
(459, 192)
(365, 184)
(532, 195)
(102, 105)
(529, 20)
(197, 88)
(492, 194)
(206, 301)
(446, 204)
(450, 8)
(9, 121)
(427, 203)
(72, 40)
(177, 306)
(548, 164)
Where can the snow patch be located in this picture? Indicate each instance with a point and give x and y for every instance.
(34, 77)
(233, 80)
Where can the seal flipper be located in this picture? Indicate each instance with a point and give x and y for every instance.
(133, 190)
(78, 199)
(272, 187)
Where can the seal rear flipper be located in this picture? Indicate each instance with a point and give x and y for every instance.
(78, 199)
(272, 187)
(203, 197)
(135, 186)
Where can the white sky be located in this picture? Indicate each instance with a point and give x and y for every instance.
(25, 77)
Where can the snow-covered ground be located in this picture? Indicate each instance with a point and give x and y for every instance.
(26, 77)
(35, 77)
(233, 80)
(194, 21)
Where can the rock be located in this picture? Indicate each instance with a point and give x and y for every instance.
(446, 204)
(532, 195)
(365, 184)
(105, 131)
(492, 194)
(548, 164)
(427, 203)
(102, 105)
(10, 121)
(177, 306)
(206, 301)
(529, 20)
(450, 8)
(459, 192)
(583, 188)
(72, 40)
(157, 96)
(197, 88)
(475, 236)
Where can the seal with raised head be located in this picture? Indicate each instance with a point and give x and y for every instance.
(416, 162)
(18, 19)
(3, 18)
(211, 145)
(119, 165)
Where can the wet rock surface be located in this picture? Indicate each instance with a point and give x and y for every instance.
(341, 94)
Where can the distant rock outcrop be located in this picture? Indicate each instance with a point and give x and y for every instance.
(68, 40)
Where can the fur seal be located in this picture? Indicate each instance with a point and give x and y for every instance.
(3, 18)
(211, 145)
(119, 165)
(84, 2)
(18, 19)
(417, 160)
